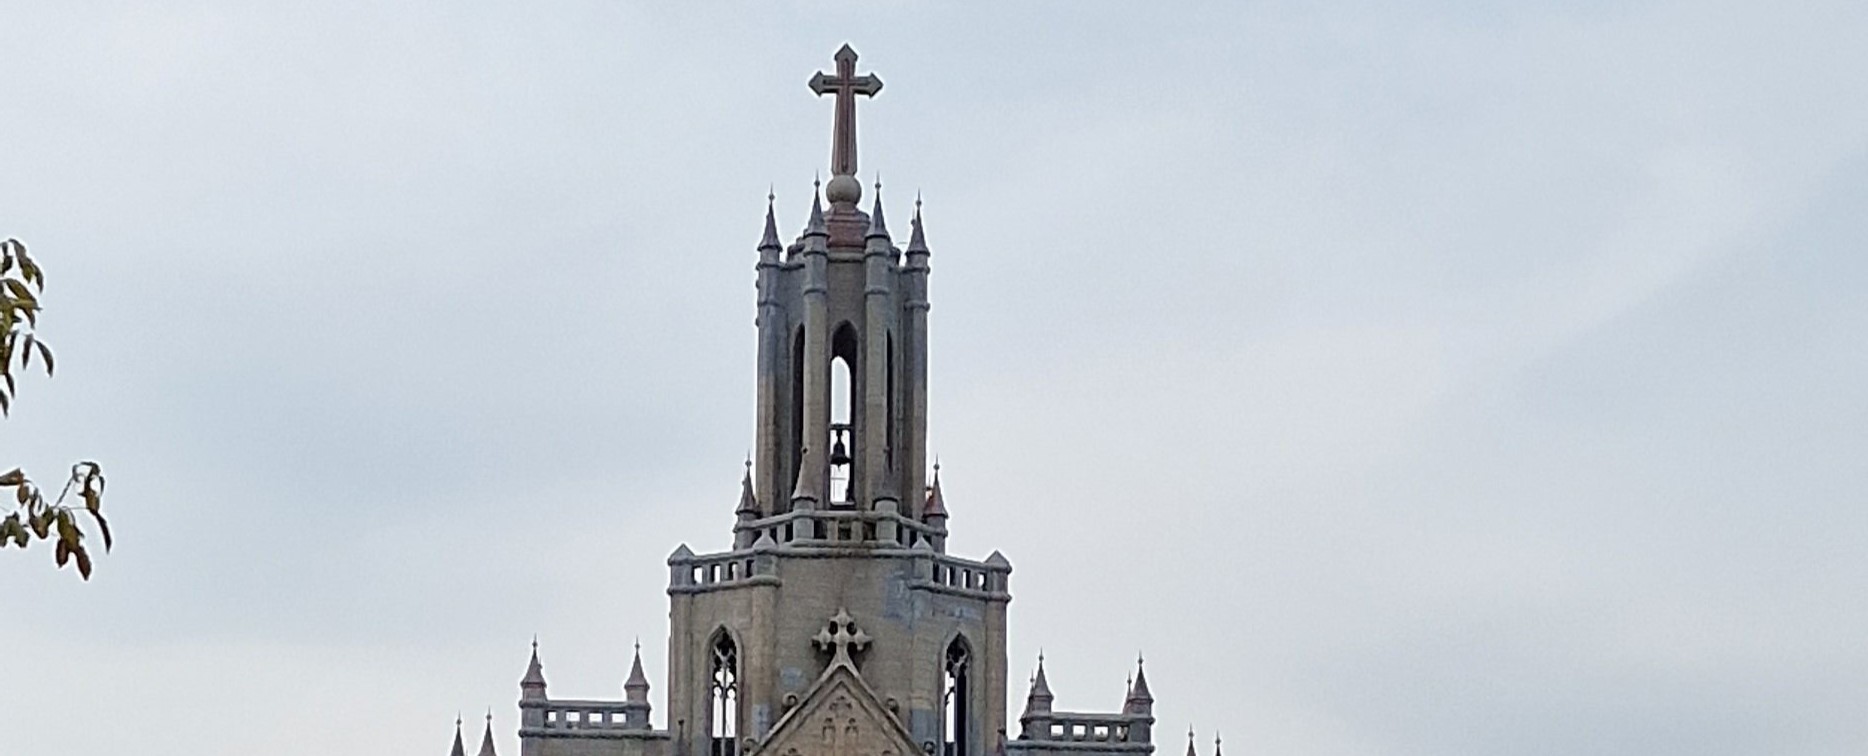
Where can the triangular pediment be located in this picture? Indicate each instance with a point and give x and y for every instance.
(839, 716)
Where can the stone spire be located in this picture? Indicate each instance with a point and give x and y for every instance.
(1190, 751)
(459, 750)
(636, 689)
(815, 226)
(532, 686)
(769, 243)
(877, 228)
(1140, 700)
(1215, 743)
(748, 503)
(636, 695)
(936, 506)
(917, 243)
(486, 740)
(1039, 700)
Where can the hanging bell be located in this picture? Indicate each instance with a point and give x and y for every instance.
(838, 454)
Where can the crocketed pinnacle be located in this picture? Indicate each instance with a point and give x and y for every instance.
(459, 750)
(486, 740)
(1190, 751)
(771, 228)
(877, 228)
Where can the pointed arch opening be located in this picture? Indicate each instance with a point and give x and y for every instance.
(843, 403)
(888, 453)
(957, 673)
(723, 695)
(797, 418)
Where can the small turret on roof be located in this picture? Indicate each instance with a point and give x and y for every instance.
(815, 226)
(1140, 700)
(636, 688)
(748, 502)
(936, 505)
(486, 740)
(877, 227)
(459, 750)
(532, 686)
(917, 243)
(636, 695)
(1038, 701)
(770, 242)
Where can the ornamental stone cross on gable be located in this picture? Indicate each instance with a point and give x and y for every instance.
(841, 637)
(847, 85)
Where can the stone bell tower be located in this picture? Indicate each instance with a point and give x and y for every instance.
(838, 600)
(842, 379)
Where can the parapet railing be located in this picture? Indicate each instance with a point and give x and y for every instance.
(588, 715)
(970, 576)
(1078, 727)
(843, 527)
(757, 565)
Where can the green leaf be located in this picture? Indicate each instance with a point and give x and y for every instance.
(46, 353)
(84, 562)
(13, 478)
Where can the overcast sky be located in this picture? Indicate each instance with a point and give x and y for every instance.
(1424, 378)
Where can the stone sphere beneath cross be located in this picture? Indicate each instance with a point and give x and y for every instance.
(843, 190)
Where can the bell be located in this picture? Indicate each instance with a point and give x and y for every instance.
(838, 454)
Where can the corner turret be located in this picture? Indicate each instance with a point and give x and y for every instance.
(636, 695)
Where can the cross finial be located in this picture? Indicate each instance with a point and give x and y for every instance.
(846, 85)
(841, 637)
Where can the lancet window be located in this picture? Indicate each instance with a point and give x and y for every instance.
(723, 687)
(957, 697)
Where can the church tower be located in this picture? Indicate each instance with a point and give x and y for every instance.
(838, 568)
(842, 378)
(837, 623)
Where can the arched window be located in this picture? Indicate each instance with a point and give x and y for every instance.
(723, 688)
(841, 445)
(958, 696)
(797, 419)
(844, 348)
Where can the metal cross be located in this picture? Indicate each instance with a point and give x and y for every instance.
(842, 637)
(847, 85)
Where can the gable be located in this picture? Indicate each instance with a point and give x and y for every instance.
(839, 716)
